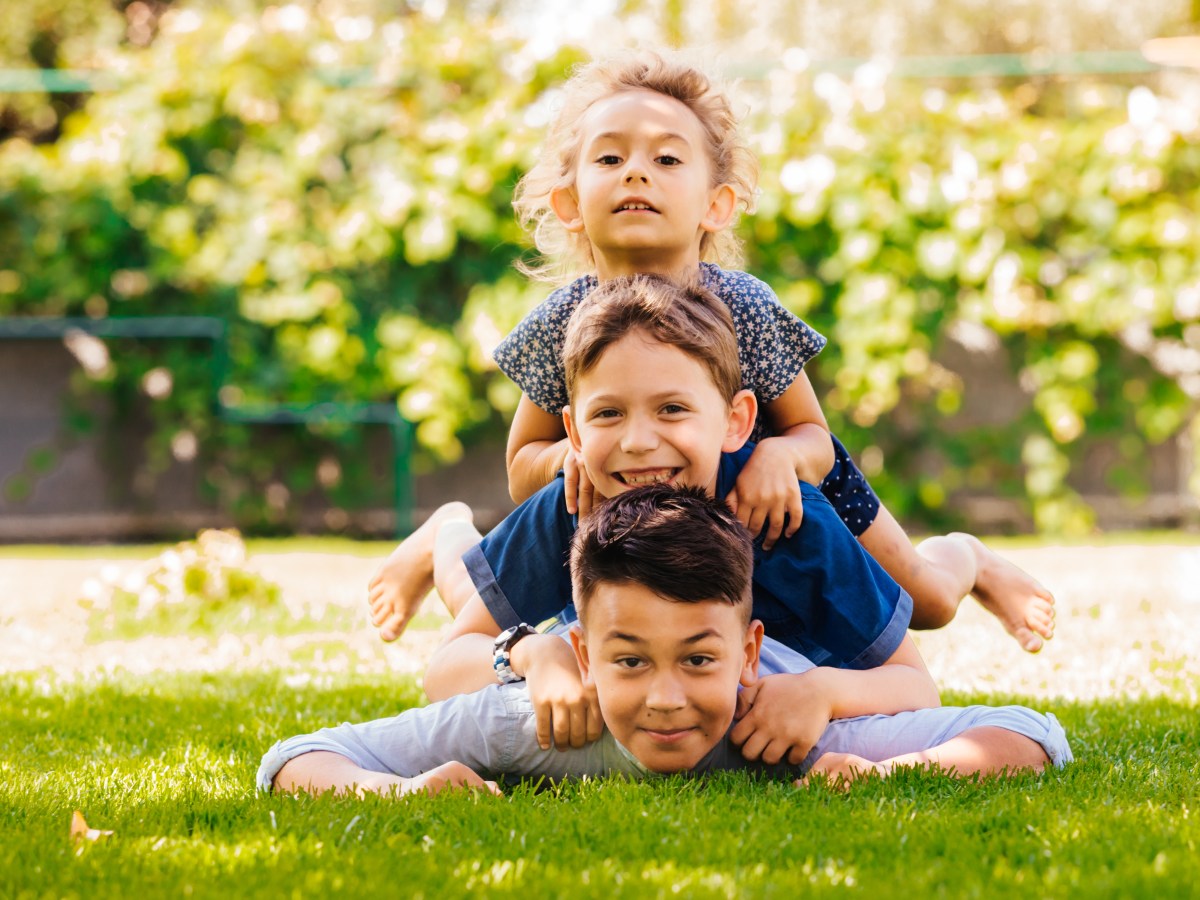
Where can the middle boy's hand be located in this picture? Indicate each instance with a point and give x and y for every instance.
(781, 717)
(567, 711)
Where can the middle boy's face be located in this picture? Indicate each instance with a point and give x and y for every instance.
(647, 412)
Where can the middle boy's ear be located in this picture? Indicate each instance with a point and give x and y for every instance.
(743, 410)
(572, 431)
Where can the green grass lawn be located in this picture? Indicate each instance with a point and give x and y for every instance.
(168, 764)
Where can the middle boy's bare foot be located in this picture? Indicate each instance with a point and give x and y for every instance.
(1024, 607)
(406, 576)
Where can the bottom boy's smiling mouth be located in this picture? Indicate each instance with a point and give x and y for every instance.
(663, 736)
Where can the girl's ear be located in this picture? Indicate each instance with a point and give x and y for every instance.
(566, 208)
(721, 207)
(579, 645)
(754, 636)
(743, 410)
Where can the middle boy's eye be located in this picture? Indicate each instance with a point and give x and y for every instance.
(674, 408)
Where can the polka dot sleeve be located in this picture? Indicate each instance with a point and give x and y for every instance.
(773, 344)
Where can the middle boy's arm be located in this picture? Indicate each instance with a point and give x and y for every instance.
(783, 716)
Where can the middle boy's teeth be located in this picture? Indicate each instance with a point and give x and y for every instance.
(648, 477)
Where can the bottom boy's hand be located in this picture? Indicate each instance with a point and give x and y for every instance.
(451, 776)
(838, 770)
(781, 716)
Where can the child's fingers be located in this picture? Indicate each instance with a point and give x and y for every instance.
(755, 743)
(774, 528)
(795, 512)
(587, 492)
(579, 736)
(561, 726)
(595, 721)
(774, 752)
(731, 500)
(571, 483)
(542, 715)
(754, 520)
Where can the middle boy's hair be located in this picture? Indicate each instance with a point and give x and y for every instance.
(677, 541)
(683, 315)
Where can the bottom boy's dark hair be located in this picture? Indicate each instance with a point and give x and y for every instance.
(677, 541)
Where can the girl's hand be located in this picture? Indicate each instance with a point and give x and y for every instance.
(578, 488)
(781, 717)
(567, 711)
(766, 491)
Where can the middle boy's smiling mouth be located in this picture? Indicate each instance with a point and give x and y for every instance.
(639, 477)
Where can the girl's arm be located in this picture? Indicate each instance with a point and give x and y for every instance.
(796, 419)
(767, 487)
(537, 449)
(537, 446)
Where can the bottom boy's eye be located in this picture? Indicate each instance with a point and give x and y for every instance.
(699, 660)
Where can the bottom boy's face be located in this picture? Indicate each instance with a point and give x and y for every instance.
(666, 672)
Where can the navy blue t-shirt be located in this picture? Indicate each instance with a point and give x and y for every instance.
(818, 591)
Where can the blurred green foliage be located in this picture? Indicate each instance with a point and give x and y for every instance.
(337, 186)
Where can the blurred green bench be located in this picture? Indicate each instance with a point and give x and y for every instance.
(213, 329)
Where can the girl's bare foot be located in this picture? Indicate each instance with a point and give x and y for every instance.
(406, 576)
(1023, 606)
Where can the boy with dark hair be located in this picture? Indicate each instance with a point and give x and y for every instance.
(662, 579)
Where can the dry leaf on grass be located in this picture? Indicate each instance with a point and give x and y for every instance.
(80, 831)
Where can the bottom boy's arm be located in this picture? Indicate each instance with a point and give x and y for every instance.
(321, 771)
(986, 750)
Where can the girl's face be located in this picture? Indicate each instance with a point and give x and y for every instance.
(643, 192)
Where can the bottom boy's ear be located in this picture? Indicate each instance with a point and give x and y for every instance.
(754, 636)
(579, 645)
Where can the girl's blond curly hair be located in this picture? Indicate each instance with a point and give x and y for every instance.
(565, 255)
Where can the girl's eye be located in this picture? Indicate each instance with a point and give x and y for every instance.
(609, 159)
(667, 160)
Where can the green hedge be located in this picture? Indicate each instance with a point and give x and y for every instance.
(339, 190)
